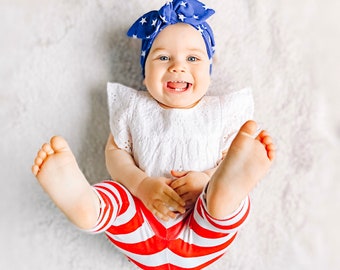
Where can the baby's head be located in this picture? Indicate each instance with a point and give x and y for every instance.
(191, 12)
(177, 51)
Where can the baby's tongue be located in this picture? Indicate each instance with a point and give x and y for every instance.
(178, 85)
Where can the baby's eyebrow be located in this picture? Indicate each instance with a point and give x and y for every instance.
(196, 50)
(157, 50)
(188, 50)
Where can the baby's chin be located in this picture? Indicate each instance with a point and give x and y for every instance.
(178, 105)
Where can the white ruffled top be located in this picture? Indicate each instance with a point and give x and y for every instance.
(162, 140)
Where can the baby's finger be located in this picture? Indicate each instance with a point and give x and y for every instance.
(160, 215)
(162, 211)
(178, 173)
(177, 183)
(181, 191)
(172, 205)
(173, 196)
(188, 197)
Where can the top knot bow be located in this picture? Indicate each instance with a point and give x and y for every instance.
(192, 12)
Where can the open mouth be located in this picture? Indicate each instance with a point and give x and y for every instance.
(178, 86)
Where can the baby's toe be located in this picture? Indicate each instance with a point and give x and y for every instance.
(59, 144)
(47, 148)
(42, 154)
(35, 169)
(38, 161)
(271, 151)
(267, 140)
(249, 128)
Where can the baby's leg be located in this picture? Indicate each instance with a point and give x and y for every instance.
(246, 162)
(58, 173)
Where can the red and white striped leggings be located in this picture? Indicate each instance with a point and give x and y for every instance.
(191, 241)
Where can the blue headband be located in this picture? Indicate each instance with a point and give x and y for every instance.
(192, 12)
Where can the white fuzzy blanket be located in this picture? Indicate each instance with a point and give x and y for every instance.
(56, 57)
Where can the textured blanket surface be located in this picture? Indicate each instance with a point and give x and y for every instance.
(56, 57)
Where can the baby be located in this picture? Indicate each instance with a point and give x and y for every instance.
(182, 163)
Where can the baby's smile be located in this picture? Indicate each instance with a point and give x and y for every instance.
(178, 86)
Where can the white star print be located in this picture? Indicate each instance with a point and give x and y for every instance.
(163, 19)
(134, 36)
(181, 17)
(183, 4)
(143, 53)
(154, 22)
(196, 17)
(143, 20)
(200, 29)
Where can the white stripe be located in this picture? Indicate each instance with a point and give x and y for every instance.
(236, 216)
(102, 205)
(107, 214)
(189, 236)
(171, 222)
(191, 262)
(156, 259)
(143, 233)
(203, 221)
(131, 211)
(167, 256)
(114, 191)
(128, 214)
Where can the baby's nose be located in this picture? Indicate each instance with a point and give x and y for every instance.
(177, 66)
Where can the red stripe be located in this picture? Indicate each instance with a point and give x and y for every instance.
(158, 228)
(144, 267)
(108, 203)
(164, 238)
(129, 226)
(170, 266)
(207, 263)
(123, 196)
(108, 207)
(201, 231)
(188, 250)
(197, 228)
(147, 247)
(199, 206)
(213, 221)
(115, 186)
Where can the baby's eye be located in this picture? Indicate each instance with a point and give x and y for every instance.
(192, 58)
(164, 58)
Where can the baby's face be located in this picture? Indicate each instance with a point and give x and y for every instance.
(177, 69)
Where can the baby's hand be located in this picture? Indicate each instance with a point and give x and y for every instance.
(160, 198)
(189, 185)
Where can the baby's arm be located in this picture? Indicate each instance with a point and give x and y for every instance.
(154, 192)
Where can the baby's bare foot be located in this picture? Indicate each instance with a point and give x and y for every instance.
(52, 158)
(246, 162)
(55, 167)
(58, 173)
